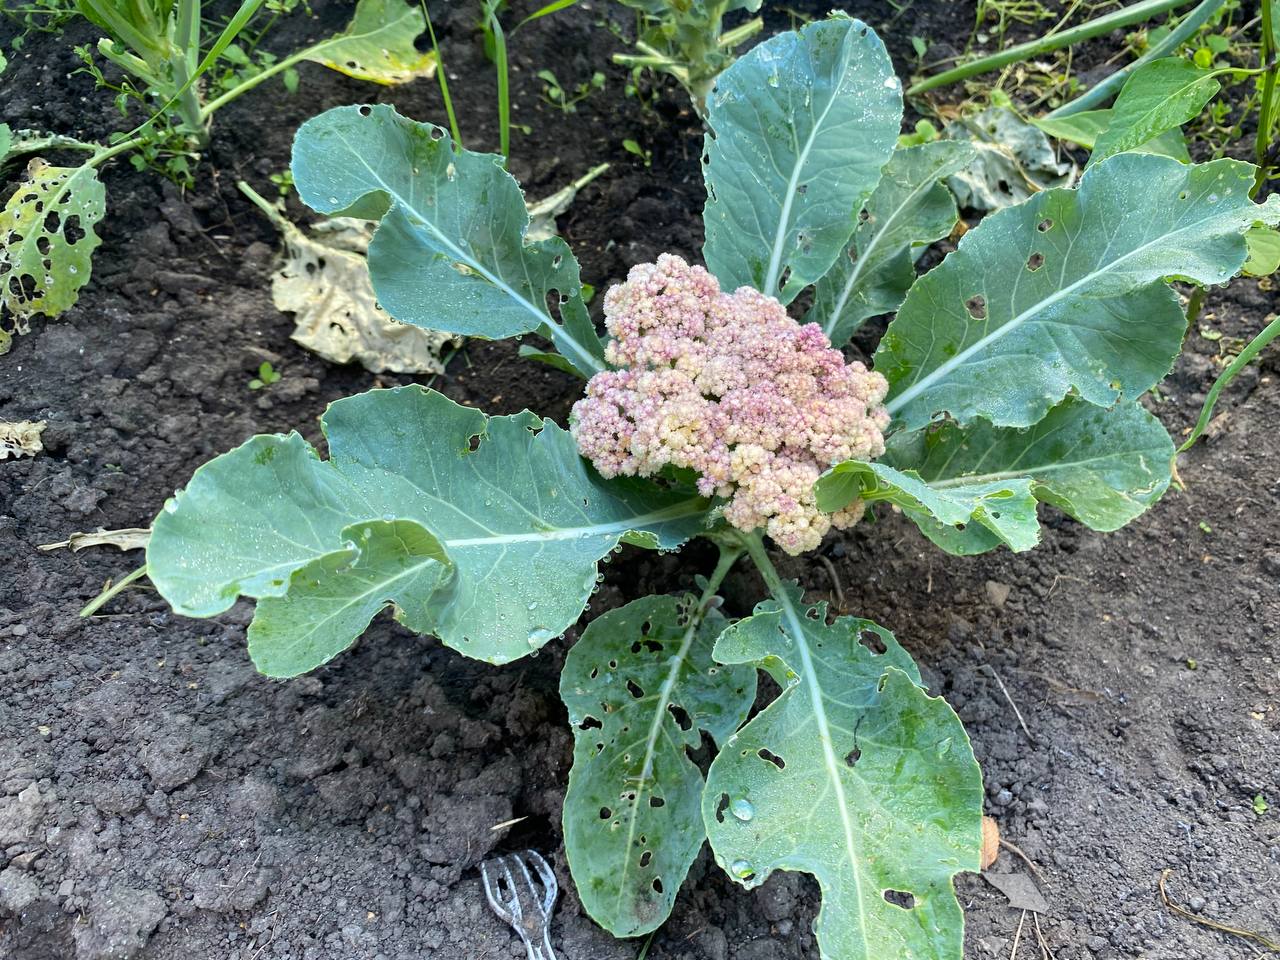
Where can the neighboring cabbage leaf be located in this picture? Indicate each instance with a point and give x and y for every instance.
(854, 775)
(492, 549)
(1158, 97)
(798, 131)
(378, 44)
(640, 687)
(450, 252)
(970, 489)
(47, 239)
(1014, 161)
(1067, 291)
(911, 207)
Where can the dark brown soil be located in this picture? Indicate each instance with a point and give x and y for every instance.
(159, 799)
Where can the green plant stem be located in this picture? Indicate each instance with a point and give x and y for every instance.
(98, 602)
(504, 83)
(276, 68)
(442, 80)
(1255, 346)
(1112, 84)
(1134, 13)
(1262, 143)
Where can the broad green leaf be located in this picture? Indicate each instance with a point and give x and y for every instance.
(1264, 251)
(6, 140)
(450, 252)
(854, 775)
(640, 686)
(1158, 97)
(47, 239)
(378, 44)
(1085, 127)
(521, 518)
(910, 207)
(1067, 291)
(1082, 128)
(798, 131)
(331, 600)
(970, 489)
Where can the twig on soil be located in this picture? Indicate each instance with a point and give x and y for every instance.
(1018, 713)
(1213, 924)
(1045, 952)
(1014, 848)
(835, 581)
(506, 823)
(1017, 937)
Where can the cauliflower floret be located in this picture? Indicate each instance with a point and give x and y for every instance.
(728, 385)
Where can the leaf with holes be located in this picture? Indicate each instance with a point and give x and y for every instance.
(483, 531)
(450, 252)
(640, 686)
(970, 489)
(323, 280)
(798, 131)
(1067, 292)
(378, 44)
(910, 207)
(47, 240)
(854, 775)
(1158, 97)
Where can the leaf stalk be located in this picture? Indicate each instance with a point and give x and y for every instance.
(1135, 13)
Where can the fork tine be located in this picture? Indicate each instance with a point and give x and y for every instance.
(516, 907)
(490, 893)
(550, 888)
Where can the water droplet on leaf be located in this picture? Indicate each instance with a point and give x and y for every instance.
(742, 809)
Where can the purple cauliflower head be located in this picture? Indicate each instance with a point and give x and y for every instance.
(728, 385)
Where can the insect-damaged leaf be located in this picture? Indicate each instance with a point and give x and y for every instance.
(1067, 291)
(450, 252)
(854, 775)
(970, 489)
(378, 44)
(324, 282)
(910, 207)
(47, 240)
(521, 519)
(799, 129)
(640, 686)
(1013, 160)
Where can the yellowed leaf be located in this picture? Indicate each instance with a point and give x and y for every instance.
(20, 438)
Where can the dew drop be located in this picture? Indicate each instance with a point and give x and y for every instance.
(171, 506)
(741, 869)
(333, 199)
(388, 517)
(742, 809)
(944, 747)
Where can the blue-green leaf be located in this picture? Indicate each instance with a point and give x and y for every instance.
(492, 549)
(798, 131)
(854, 775)
(640, 687)
(450, 251)
(910, 207)
(1067, 291)
(971, 489)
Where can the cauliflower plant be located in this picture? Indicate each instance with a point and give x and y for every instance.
(727, 384)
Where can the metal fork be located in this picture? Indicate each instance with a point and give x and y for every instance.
(518, 899)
